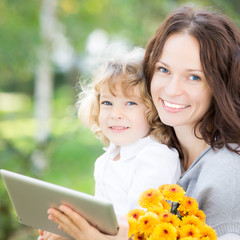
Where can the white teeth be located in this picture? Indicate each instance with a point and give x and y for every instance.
(171, 105)
(119, 128)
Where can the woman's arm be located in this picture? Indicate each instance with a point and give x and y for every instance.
(76, 226)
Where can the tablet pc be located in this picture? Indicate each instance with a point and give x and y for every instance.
(31, 198)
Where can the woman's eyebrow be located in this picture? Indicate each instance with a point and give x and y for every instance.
(194, 70)
(161, 62)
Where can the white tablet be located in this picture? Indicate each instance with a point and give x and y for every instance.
(31, 198)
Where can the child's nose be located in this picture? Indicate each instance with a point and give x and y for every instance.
(117, 113)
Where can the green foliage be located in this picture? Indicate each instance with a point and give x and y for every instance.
(7, 220)
(18, 43)
(71, 154)
(135, 20)
(71, 151)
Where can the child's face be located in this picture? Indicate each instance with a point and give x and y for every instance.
(122, 119)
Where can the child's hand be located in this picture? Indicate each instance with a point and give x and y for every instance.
(50, 236)
(76, 226)
(72, 223)
(41, 234)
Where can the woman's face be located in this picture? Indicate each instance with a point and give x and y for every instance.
(178, 87)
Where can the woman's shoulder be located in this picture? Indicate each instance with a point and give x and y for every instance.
(223, 155)
(213, 180)
(214, 165)
(220, 165)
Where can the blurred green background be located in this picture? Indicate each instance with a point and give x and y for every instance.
(46, 48)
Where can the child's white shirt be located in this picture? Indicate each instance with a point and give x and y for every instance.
(142, 165)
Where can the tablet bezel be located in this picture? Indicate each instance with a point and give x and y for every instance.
(31, 198)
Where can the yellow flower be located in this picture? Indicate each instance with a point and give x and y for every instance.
(208, 233)
(161, 222)
(173, 192)
(139, 236)
(133, 229)
(164, 231)
(162, 187)
(200, 214)
(189, 231)
(188, 206)
(135, 213)
(169, 218)
(156, 209)
(188, 238)
(132, 217)
(191, 220)
(150, 198)
(166, 205)
(147, 223)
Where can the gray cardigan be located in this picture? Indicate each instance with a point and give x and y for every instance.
(214, 181)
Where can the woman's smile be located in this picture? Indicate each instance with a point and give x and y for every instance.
(173, 106)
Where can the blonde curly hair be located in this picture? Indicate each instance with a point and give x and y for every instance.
(127, 70)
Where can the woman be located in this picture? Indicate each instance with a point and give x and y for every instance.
(192, 66)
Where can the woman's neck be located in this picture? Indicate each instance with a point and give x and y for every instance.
(191, 146)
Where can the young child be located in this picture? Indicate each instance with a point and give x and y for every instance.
(119, 110)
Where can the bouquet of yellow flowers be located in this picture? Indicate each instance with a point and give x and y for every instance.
(168, 214)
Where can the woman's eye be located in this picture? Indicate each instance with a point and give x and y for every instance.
(194, 78)
(131, 103)
(106, 103)
(163, 70)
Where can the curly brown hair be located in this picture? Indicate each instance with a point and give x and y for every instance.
(219, 41)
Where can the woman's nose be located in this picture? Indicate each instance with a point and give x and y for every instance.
(174, 86)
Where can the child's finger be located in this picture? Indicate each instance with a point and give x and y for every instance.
(64, 222)
(41, 232)
(78, 220)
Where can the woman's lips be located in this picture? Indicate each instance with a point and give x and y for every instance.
(173, 107)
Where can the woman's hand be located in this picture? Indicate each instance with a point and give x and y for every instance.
(76, 226)
(43, 235)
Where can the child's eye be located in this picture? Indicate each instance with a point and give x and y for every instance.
(106, 103)
(131, 103)
(194, 78)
